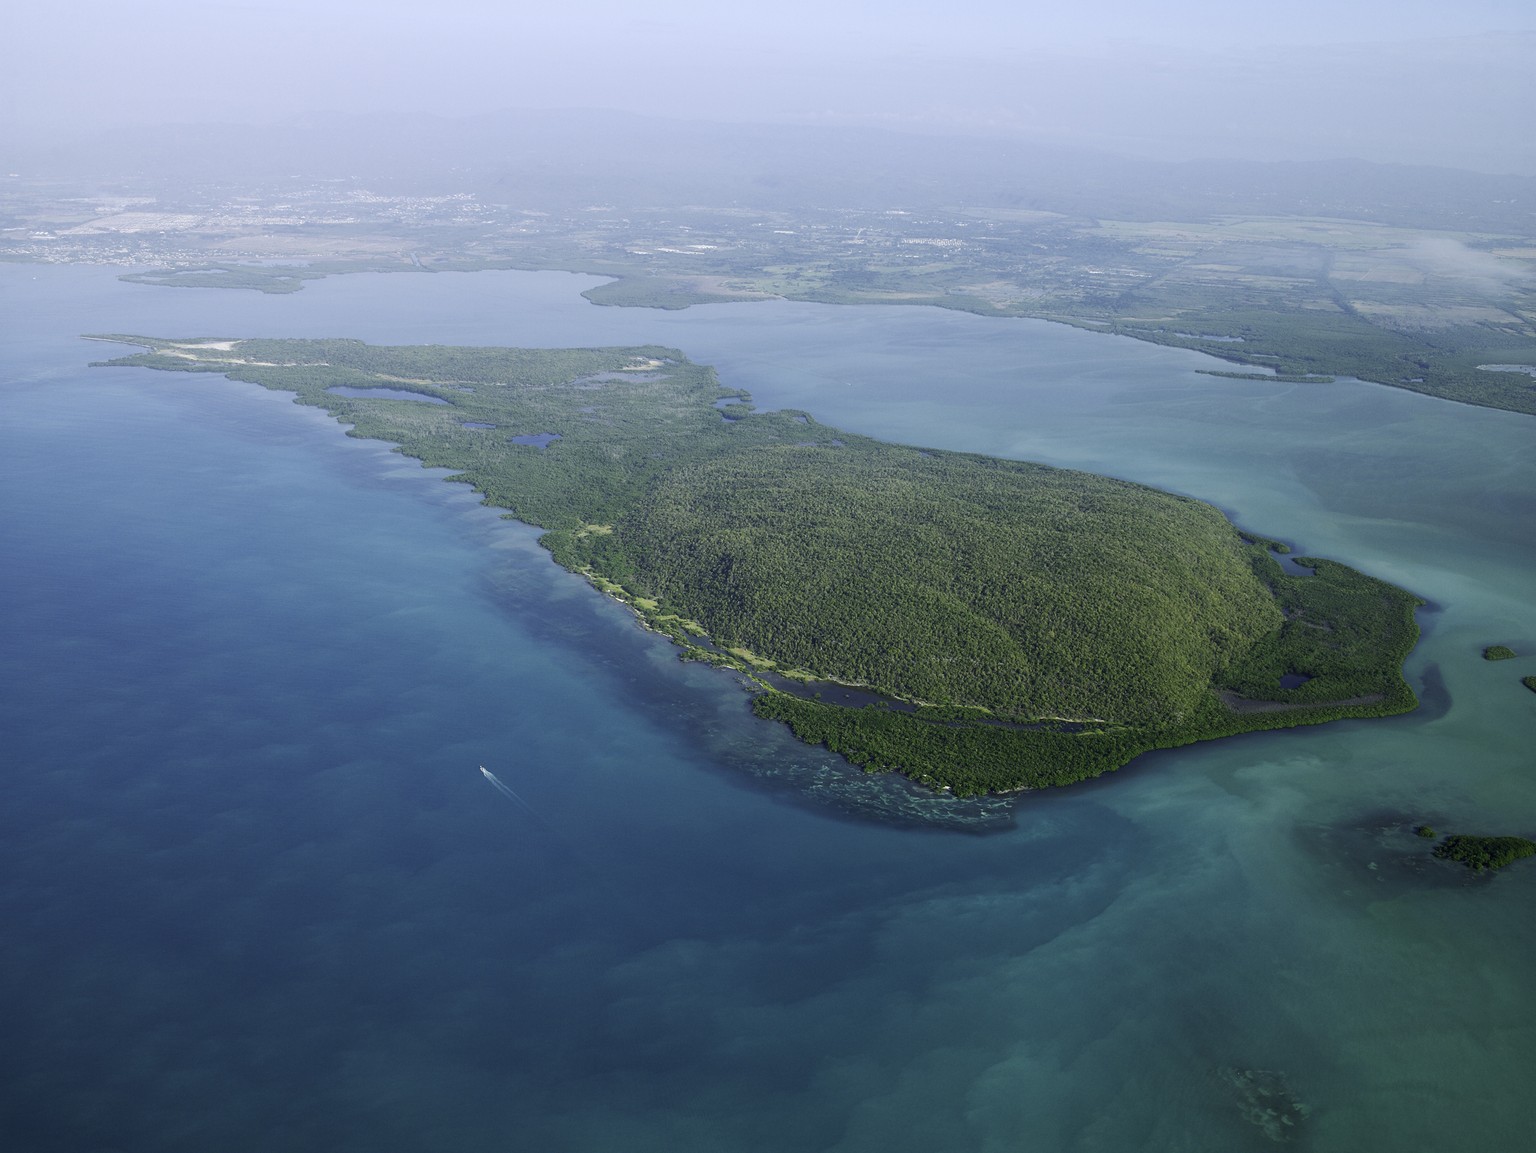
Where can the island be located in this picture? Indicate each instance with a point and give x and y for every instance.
(1498, 653)
(975, 623)
(1479, 853)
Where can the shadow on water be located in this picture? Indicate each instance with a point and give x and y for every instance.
(1434, 696)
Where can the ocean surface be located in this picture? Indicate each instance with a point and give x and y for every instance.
(257, 895)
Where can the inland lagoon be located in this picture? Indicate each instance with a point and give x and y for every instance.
(259, 892)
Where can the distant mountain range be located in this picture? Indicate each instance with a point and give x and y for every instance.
(574, 158)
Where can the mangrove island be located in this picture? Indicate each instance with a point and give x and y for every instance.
(977, 624)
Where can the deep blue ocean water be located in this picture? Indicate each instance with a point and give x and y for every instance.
(257, 894)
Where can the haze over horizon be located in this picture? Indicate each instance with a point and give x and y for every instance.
(1411, 83)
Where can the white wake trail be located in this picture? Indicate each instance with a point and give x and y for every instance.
(495, 780)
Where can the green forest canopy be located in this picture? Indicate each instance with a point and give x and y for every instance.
(1022, 625)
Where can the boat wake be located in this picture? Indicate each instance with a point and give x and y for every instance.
(507, 792)
(550, 836)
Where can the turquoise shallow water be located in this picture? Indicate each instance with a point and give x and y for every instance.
(258, 895)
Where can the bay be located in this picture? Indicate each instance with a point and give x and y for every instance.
(259, 895)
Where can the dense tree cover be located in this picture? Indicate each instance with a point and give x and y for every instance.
(1024, 625)
(1479, 853)
(955, 579)
(1498, 653)
(262, 279)
(1311, 343)
(1346, 633)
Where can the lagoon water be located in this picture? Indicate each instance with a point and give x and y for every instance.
(257, 894)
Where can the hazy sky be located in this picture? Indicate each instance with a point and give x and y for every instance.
(1411, 79)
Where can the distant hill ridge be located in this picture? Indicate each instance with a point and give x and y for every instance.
(570, 158)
